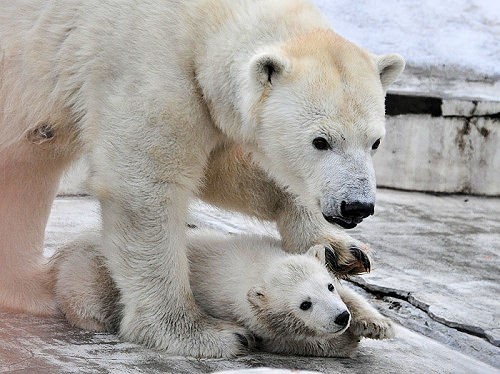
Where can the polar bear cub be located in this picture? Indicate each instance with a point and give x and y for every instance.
(290, 302)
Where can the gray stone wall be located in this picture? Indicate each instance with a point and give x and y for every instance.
(441, 145)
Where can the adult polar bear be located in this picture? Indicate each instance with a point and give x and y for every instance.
(167, 98)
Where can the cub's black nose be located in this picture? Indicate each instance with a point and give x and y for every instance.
(343, 318)
(356, 209)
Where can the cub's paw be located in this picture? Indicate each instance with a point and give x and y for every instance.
(378, 327)
(344, 259)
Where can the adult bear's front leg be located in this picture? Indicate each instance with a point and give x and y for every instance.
(300, 228)
(233, 181)
(143, 175)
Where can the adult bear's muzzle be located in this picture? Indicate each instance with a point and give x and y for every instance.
(352, 213)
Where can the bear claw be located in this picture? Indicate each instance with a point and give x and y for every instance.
(243, 340)
(248, 341)
(361, 256)
(361, 265)
(332, 262)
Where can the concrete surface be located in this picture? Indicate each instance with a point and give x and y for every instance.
(34, 345)
(441, 253)
(436, 272)
(456, 149)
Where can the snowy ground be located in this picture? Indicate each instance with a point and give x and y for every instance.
(461, 34)
(452, 47)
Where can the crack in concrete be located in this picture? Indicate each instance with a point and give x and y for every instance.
(409, 298)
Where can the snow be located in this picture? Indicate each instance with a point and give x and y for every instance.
(458, 34)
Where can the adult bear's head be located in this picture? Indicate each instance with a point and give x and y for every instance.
(314, 108)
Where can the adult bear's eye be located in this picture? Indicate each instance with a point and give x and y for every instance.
(321, 144)
(305, 305)
(376, 144)
(330, 287)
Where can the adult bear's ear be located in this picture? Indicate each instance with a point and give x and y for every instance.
(256, 296)
(269, 66)
(389, 67)
(319, 252)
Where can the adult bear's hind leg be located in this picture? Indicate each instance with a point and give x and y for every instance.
(29, 178)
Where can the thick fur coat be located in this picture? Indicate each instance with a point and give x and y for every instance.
(252, 105)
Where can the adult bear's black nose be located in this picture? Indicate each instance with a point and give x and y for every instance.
(343, 319)
(356, 209)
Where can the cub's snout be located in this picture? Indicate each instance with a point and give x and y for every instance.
(343, 319)
(338, 322)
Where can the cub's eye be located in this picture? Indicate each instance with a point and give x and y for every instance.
(376, 144)
(305, 305)
(321, 144)
(330, 287)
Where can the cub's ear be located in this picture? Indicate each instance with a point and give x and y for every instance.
(319, 252)
(256, 296)
(389, 67)
(269, 66)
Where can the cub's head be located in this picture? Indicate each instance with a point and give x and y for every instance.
(315, 108)
(299, 298)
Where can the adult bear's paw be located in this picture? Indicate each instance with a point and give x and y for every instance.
(205, 338)
(344, 258)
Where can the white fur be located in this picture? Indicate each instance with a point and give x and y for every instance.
(253, 273)
(154, 92)
(245, 279)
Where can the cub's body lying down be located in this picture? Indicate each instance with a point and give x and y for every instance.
(289, 302)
